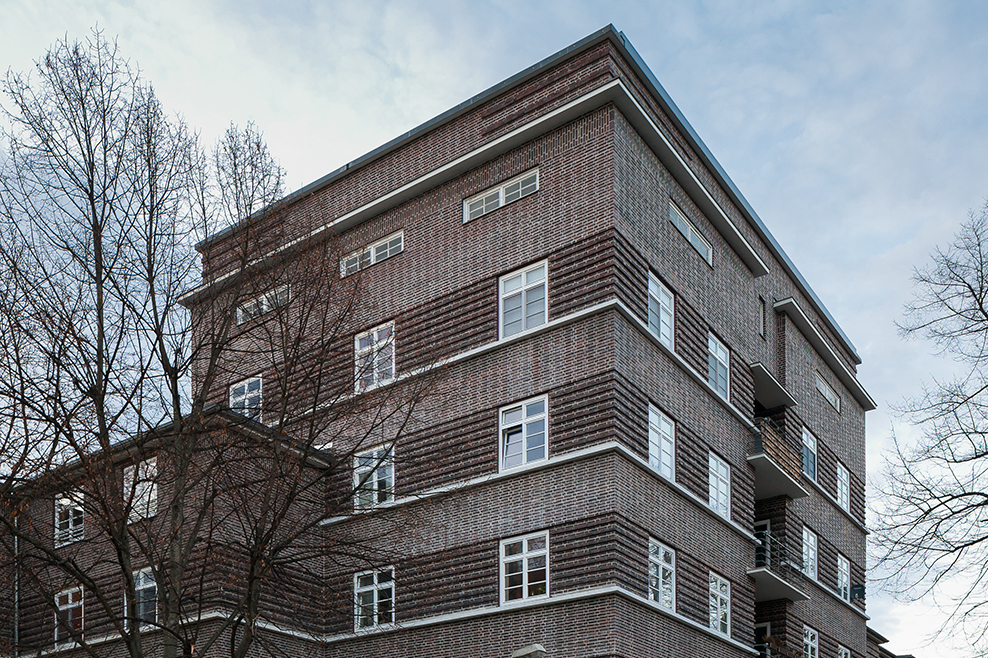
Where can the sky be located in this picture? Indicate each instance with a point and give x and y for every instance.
(856, 130)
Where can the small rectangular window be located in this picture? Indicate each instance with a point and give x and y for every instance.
(810, 554)
(660, 311)
(809, 454)
(69, 518)
(246, 398)
(69, 615)
(843, 578)
(373, 477)
(374, 357)
(720, 604)
(662, 574)
(720, 485)
(843, 488)
(762, 633)
(258, 306)
(146, 591)
(762, 317)
(828, 392)
(525, 567)
(843, 652)
(690, 232)
(141, 489)
(373, 253)
(522, 297)
(524, 432)
(811, 643)
(661, 443)
(374, 599)
(718, 366)
(492, 199)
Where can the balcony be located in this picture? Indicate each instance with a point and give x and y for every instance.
(776, 461)
(776, 575)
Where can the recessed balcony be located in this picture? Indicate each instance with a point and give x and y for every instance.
(776, 576)
(776, 461)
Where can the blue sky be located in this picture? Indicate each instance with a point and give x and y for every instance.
(857, 131)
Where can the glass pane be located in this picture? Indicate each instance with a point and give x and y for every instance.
(365, 581)
(513, 549)
(509, 285)
(536, 543)
(511, 416)
(535, 408)
(535, 276)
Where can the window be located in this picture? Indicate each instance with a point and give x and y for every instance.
(843, 652)
(523, 300)
(374, 253)
(373, 477)
(828, 392)
(661, 443)
(720, 604)
(374, 357)
(762, 317)
(809, 553)
(374, 596)
(524, 432)
(811, 643)
(843, 578)
(685, 226)
(69, 614)
(660, 311)
(245, 398)
(146, 598)
(718, 366)
(69, 519)
(809, 454)
(525, 567)
(494, 198)
(141, 489)
(843, 488)
(720, 486)
(762, 633)
(258, 306)
(662, 574)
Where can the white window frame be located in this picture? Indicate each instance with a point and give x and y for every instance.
(379, 585)
(526, 557)
(75, 519)
(689, 231)
(811, 553)
(501, 195)
(662, 574)
(810, 448)
(374, 471)
(661, 443)
(828, 392)
(141, 480)
(719, 474)
(383, 249)
(661, 311)
(523, 291)
(62, 635)
(532, 422)
(143, 580)
(843, 487)
(376, 358)
(248, 403)
(718, 357)
(258, 306)
(811, 642)
(720, 604)
(843, 652)
(843, 578)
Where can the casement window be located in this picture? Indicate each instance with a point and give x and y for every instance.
(492, 199)
(525, 567)
(374, 599)
(383, 249)
(69, 518)
(145, 598)
(843, 488)
(828, 392)
(718, 366)
(810, 553)
(720, 604)
(141, 489)
(524, 432)
(660, 311)
(811, 643)
(690, 232)
(720, 485)
(522, 299)
(374, 357)
(246, 398)
(258, 306)
(843, 652)
(69, 615)
(809, 454)
(662, 574)
(661, 443)
(373, 477)
(843, 578)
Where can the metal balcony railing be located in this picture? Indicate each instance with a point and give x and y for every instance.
(785, 578)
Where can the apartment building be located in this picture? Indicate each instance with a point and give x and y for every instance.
(644, 435)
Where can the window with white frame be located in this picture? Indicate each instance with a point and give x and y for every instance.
(258, 306)
(69, 518)
(383, 249)
(811, 643)
(662, 574)
(373, 477)
(660, 311)
(720, 485)
(809, 454)
(690, 232)
(69, 614)
(374, 357)
(492, 199)
(661, 443)
(843, 578)
(810, 554)
(843, 487)
(374, 599)
(843, 652)
(246, 397)
(525, 567)
(828, 392)
(141, 489)
(762, 634)
(522, 299)
(720, 604)
(524, 432)
(718, 366)
(145, 598)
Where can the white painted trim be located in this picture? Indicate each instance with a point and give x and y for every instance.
(816, 485)
(834, 595)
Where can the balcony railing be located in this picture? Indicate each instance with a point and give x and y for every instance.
(776, 460)
(777, 572)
